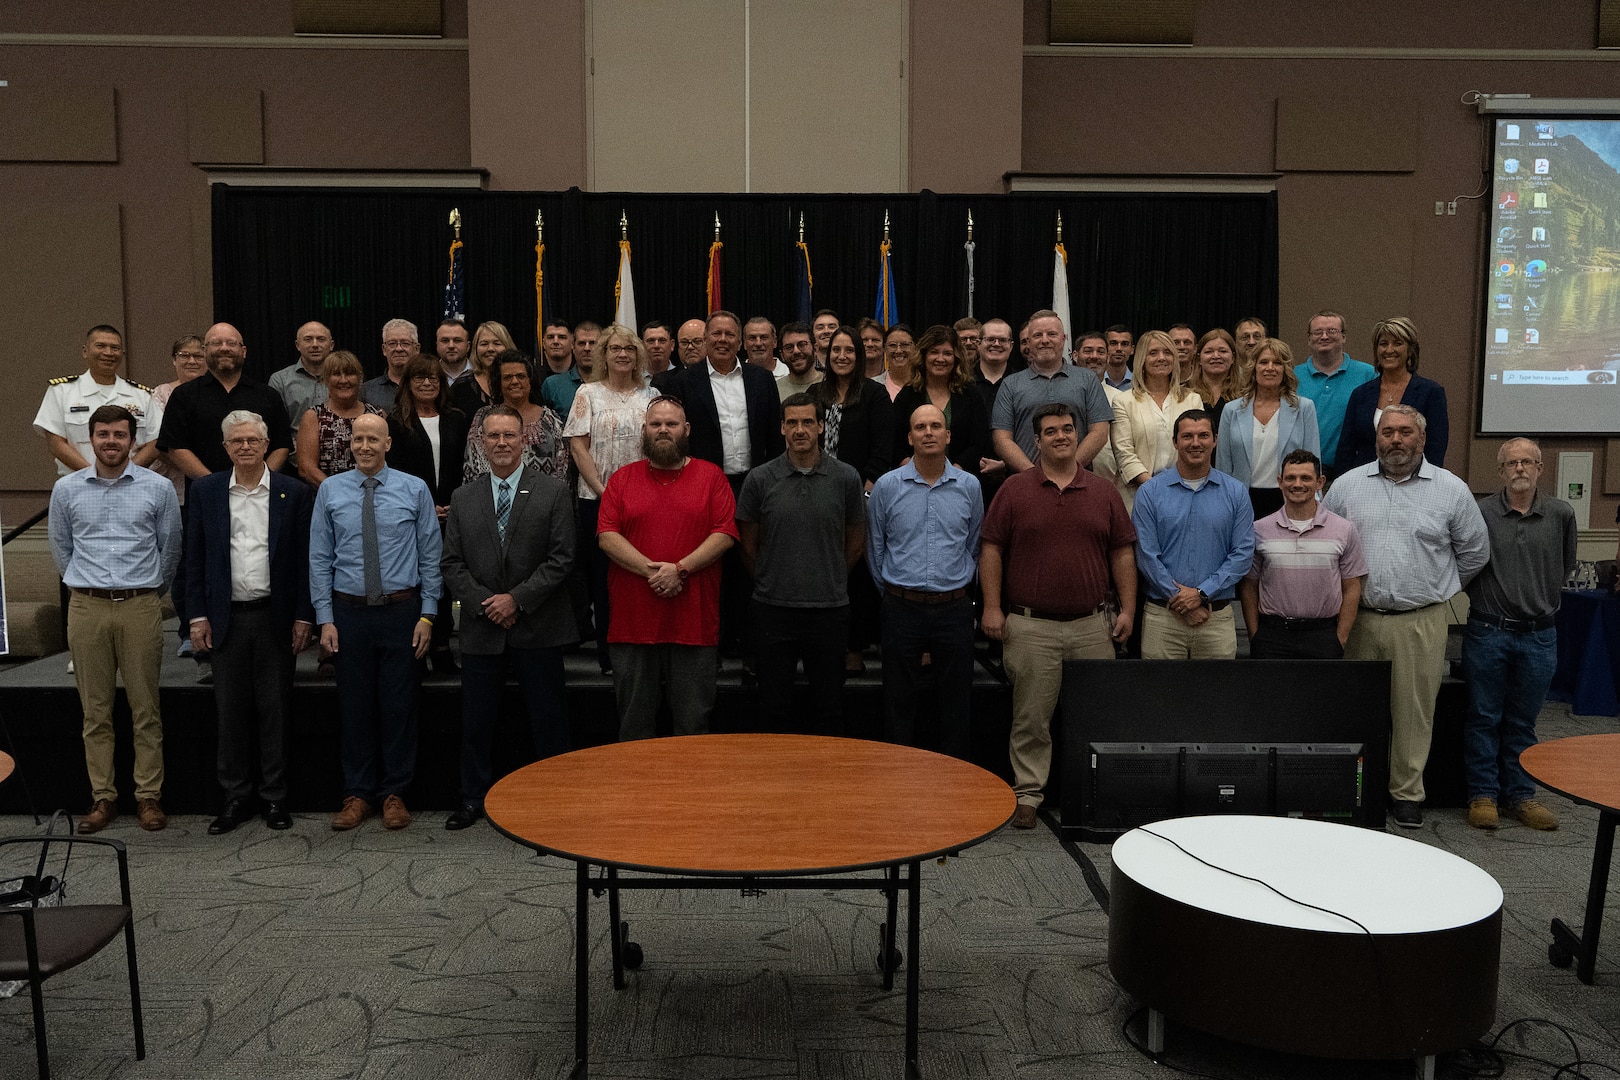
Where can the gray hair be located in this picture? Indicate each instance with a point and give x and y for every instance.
(1501, 451)
(239, 417)
(400, 324)
(1406, 410)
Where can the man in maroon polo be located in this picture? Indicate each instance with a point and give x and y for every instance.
(1054, 538)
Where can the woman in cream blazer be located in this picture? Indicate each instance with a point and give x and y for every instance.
(1145, 415)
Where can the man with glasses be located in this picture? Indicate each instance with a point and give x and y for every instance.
(799, 358)
(190, 434)
(400, 346)
(248, 594)
(1327, 377)
(689, 340)
(1510, 648)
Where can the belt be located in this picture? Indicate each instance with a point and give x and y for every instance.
(1518, 626)
(1400, 611)
(113, 594)
(1214, 605)
(924, 596)
(1053, 616)
(386, 598)
(1282, 623)
(251, 605)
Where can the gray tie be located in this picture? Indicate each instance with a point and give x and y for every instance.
(368, 541)
(503, 507)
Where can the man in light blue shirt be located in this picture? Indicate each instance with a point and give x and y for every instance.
(115, 536)
(1328, 377)
(922, 545)
(1194, 543)
(374, 580)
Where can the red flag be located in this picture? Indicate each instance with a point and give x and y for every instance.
(715, 303)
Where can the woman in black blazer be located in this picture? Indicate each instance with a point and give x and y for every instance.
(1395, 356)
(429, 440)
(942, 377)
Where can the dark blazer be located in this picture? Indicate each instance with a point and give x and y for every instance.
(970, 426)
(207, 564)
(866, 430)
(411, 452)
(533, 565)
(691, 385)
(1357, 439)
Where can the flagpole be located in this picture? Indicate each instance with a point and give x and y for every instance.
(1060, 288)
(968, 248)
(715, 301)
(454, 301)
(539, 279)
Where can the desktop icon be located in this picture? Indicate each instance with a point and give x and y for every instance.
(1505, 268)
(1540, 200)
(1501, 335)
(1509, 200)
(1544, 131)
(1535, 268)
(1532, 336)
(1504, 301)
(1512, 132)
(1538, 235)
(1542, 164)
(1510, 166)
(1506, 233)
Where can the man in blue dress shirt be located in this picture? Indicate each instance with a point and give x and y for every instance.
(1194, 543)
(922, 543)
(115, 536)
(374, 580)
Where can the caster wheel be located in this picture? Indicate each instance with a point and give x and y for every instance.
(1559, 956)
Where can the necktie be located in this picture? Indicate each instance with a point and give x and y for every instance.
(368, 541)
(503, 507)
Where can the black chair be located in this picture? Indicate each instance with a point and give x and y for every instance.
(38, 942)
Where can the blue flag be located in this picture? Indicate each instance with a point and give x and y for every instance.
(802, 283)
(455, 303)
(887, 310)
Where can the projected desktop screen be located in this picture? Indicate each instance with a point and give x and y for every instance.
(1552, 294)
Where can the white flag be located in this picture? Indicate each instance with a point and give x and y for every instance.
(1060, 296)
(624, 290)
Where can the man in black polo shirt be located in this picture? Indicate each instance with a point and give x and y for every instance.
(191, 423)
(802, 519)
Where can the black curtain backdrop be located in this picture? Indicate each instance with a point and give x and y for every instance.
(354, 259)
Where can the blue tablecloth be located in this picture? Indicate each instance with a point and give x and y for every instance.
(1588, 652)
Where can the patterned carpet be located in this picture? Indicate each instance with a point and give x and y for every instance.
(310, 955)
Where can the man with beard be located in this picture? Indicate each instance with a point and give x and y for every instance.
(968, 334)
(1510, 648)
(1424, 539)
(799, 358)
(191, 423)
(665, 521)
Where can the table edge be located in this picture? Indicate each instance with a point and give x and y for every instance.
(1582, 800)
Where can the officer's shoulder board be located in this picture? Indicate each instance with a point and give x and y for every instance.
(140, 386)
(63, 381)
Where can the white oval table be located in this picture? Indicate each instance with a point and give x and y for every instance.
(1307, 937)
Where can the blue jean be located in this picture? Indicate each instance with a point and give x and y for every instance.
(1508, 675)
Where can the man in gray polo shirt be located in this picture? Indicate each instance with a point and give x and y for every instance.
(802, 519)
(1048, 379)
(1510, 648)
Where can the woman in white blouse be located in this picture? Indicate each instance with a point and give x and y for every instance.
(1145, 414)
(604, 434)
(1265, 425)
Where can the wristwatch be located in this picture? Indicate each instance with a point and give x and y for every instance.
(1203, 598)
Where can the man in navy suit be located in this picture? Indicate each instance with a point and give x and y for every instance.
(508, 550)
(247, 588)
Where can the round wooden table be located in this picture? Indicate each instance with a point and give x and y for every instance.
(1305, 936)
(6, 766)
(1585, 768)
(713, 811)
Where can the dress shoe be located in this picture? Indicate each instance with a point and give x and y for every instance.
(276, 816)
(355, 810)
(462, 817)
(1408, 815)
(150, 815)
(444, 662)
(395, 816)
(1024, 816)
(236, 811)
(101, 814)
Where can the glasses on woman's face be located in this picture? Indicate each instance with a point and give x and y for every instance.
(428, 380)
(621, 350)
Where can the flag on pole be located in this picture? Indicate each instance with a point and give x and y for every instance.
(624, 290)
(713, 288)
(1060, 294)
(802, 282)
(542, 288)
(455, 304)
(887, 309)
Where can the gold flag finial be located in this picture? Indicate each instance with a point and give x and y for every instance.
(455, 221)
(717, 226)
(624, 226)
(1060, 226)
(885, 226)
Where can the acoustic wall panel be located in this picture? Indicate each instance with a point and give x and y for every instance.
(368, 18)
(58, 123)
(226, 127)
(1122, 22)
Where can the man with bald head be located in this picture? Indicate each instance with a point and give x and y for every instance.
(302, 384)
(689, 341)
(922, 543)
(190, 434)
(375, 582)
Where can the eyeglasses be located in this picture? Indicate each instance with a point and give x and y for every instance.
(1326, 333)
(1520, 463)
(190, 356)
(619, 350)
(241, 443)
(398, 344)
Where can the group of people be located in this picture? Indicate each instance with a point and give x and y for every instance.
(794, 493)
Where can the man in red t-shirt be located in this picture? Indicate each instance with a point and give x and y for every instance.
(665, 521)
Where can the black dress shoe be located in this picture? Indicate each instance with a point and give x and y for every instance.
(444, 662)
(276, 816)
(462, 817)
(236, 811)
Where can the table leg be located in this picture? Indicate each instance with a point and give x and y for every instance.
(1584, 947)
(913, 982)
(888, 958)
(613, 926)
(582, 951)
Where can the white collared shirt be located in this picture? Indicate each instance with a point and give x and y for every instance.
(731, 403)
(250, 539)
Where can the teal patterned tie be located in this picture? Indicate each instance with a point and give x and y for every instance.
(503, 507)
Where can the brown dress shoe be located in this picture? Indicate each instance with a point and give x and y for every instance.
(1024, 816)
(355, 810)
(395, 816)
(150, 815)
(101, 814)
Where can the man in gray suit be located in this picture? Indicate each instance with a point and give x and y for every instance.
(508, 549)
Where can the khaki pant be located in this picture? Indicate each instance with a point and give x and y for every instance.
(107, 637)
(1414, 642)
(1165, 637)
(1033, 655)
